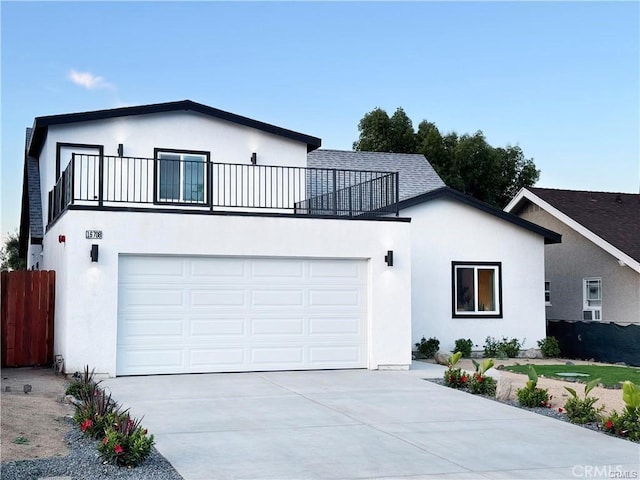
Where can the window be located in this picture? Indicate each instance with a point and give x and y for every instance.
(547, 293)
(592, 299)
(181, 176)
(477, 289)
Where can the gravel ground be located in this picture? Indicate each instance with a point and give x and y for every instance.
(548, 412)
(83, 463)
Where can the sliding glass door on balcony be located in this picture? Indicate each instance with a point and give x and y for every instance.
(181, 177)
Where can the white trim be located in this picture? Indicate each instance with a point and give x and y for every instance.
(585, 232)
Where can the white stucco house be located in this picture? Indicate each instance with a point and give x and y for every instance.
(181, 243)
(188, 239)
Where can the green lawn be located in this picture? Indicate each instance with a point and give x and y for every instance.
(609, 375)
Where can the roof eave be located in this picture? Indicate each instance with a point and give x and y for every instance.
(41, 124)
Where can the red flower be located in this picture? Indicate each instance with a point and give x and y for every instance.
(609, 424)
(86, 425)
(105, 440)
(145, 431)
(463, 379)
(560, 409)
(118, 449)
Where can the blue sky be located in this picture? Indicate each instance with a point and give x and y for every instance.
(562, 80)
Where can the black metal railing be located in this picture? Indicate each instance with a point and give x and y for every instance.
(94, 180)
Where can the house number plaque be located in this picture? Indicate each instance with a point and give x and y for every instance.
(93, 234)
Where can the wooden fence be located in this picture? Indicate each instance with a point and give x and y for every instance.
(28, 303)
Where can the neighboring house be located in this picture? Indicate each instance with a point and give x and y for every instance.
(476, 271)
(189, 239)
(593, 277)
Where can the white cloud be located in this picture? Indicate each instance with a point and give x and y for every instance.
(88, 80)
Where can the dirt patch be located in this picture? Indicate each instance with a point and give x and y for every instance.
(611, 399)
(32, 424)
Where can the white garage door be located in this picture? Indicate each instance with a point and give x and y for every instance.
(230, 314)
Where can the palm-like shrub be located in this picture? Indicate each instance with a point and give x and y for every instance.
(531, 396)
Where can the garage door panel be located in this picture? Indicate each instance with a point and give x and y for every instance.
(230, 314)
(215, 359)
(281, 357)
(145, 330)
(277, 326)
(214, 297)
(149, 269)
(276, 269)
(335, 326)
(153, 297)
(275, 298)
(335, 354)
(222, 268)
(335, 270)
(217, 327)
(337, 298)
(141, 360)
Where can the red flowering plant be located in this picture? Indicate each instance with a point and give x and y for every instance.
(455, 377)
(627, 423)
(96, 411)
(125, 442)
(480, 382)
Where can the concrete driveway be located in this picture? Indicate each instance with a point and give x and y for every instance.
(350, 424)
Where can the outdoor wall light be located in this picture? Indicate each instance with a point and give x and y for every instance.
(254, 158)
(120, 149)
(388, 258)
(94, 253)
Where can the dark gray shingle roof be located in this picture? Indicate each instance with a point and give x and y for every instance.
(31, 217)
(416, 175)
(614, 217)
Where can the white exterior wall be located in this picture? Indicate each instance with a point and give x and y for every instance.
(140, 134)
(444, 231)
(86, 293)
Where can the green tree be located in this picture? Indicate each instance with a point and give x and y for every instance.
(467, 163)
(381, 133)
(9, 257)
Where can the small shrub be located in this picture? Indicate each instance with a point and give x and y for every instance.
(502, 349)
(464, 346)
(428, 348)
(549, 347)
(582, 410)
(626, 424)
(531, 396)
(125, 442)
(480, 383)
(83, 385)
(511, 347)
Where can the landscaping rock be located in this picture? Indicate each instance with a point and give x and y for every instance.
(622, 364)
(71, 400)
(442, 358)
(500, 367)
(569, 363)
(503, 389)
(530, 353)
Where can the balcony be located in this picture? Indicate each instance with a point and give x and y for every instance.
(113, 183)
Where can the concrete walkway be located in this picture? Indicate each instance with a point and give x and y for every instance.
(353, 424)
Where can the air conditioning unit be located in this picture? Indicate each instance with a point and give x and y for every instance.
(587, 314)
